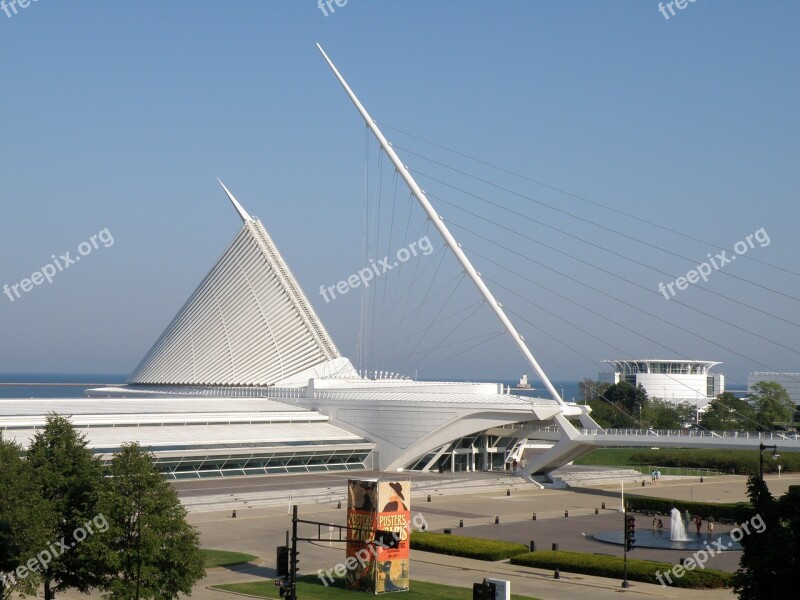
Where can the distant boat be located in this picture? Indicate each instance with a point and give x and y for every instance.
(523, 382)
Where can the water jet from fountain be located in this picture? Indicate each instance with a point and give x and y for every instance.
(677, 531)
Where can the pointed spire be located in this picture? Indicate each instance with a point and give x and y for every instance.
(242, 212)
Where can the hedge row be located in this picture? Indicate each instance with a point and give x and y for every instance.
(738, 512)
(467, 547)
(612, 566)
(741, 461)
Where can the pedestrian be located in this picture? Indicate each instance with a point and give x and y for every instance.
(688, 520)
(653, 476)
(698, 523)
(655, 523)
(660, 525)
(515, 465)
(710, 526)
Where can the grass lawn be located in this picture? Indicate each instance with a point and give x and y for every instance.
(310, 588)
(222, 558)
(608, 457)
(689, 461)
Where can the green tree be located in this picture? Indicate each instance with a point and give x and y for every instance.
(23, 533)
(770, 557)
(663, 414)
(618, 405)
(626, 396)
(727, 412)
(609, 416)
(69, 478)
(149, 550)
(789, 510)
(592, 390)
(772, 403)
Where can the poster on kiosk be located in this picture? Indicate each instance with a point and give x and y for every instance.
(373, 507)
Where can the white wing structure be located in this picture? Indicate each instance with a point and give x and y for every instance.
(248, 323)
(246, 381)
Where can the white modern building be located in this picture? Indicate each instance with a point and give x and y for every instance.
(673, 380)
(245, 380)
(790, 382)
(248, 346)
(193, 436)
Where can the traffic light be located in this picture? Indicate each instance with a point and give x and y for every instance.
(282, 563)
(630, 533)
(294, 560)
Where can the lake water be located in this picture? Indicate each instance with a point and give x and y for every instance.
(46, 385)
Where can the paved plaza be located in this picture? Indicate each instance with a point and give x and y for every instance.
(259, 530)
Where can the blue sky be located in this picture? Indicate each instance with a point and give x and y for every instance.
(120, 116)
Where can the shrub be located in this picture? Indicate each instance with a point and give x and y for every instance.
(467, 547)
(738, 512)
(612, 566)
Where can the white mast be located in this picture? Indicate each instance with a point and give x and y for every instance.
(438, 222)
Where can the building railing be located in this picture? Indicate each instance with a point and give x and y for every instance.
(757, 373)
(686, 433)
(220, 391)
(678, 471)
(748, 435)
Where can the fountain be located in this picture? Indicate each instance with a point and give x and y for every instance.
(650, 535)
(677, 531)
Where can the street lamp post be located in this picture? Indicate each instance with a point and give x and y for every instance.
(761, 448)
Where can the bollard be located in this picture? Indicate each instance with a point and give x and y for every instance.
(429, 497)
(533, 546)
(461, 522)
(555, 546)
(497, 520)
(534, 517)
(508, 492)
(597, 512)
(566, 513)
(642, 482)
(339, 505)
(603, 505)
(701, 479)
(556, 575)
(233, 516)
(448, 531)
